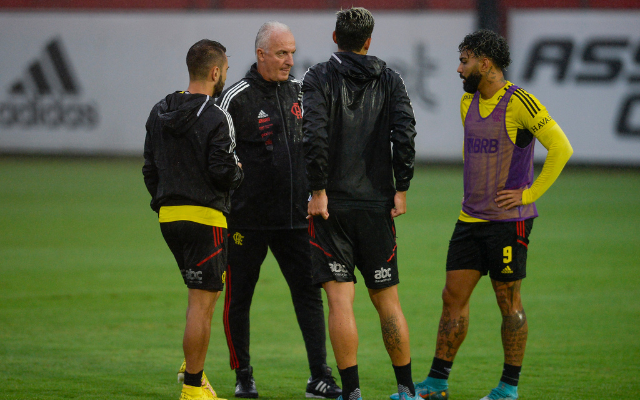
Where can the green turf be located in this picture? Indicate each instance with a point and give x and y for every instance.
(92, 304)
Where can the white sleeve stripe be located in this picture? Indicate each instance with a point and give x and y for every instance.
(232, 131)
(233, 91)
(202, 107)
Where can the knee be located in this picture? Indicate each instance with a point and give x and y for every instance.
(385, 300)
(452, 298)
(509, 301)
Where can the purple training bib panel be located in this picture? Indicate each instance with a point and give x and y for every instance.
(492, 162)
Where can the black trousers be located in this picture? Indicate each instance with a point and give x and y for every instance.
(291, 248)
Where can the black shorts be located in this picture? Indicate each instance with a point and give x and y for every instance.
(354, 238)
(200, 251)
(499, 248)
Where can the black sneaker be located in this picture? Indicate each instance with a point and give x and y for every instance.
(245, 384)
(324, 387)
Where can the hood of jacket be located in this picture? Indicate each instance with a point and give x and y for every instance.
(180, 110)
(357, 66)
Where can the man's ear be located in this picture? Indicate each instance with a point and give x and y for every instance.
(215, 73)
(260, 54)
(485, 64)
(334, 38)
(367, 44)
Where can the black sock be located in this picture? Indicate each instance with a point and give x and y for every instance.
(193, 379)
(405, 382)
(510, 374)
(440, 368)
(350, 383)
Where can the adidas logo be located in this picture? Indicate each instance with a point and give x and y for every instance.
(507, 270)
(263, 114)
(46, 95)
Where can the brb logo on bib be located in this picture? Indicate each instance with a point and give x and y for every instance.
(479, 145)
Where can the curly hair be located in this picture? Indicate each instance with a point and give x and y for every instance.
(486, 43)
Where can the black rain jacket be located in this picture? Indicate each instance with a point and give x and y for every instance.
(268, 121)
(189, 153)
(355, 108)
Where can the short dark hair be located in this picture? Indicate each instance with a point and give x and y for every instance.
(203, 56)
(486, 43)
(353, 27)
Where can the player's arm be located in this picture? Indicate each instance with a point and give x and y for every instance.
(315, 120)
(149, 170)
(224, 168)
(403, 133)
(559, 149)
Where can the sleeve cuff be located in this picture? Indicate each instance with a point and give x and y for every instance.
(317, 185)
(402, 186)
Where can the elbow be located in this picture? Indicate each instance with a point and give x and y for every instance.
(567, 153)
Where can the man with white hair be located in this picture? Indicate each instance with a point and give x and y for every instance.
(270, 209)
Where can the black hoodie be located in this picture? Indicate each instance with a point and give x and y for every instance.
(355, 108)
(189, 154)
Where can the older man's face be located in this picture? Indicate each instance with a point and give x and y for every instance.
(275, 62)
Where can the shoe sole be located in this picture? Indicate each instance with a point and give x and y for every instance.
(246, 396)
(317, 396)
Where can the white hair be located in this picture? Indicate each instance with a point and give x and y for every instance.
(265, 31)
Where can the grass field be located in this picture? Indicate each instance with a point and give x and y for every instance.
(92, 304)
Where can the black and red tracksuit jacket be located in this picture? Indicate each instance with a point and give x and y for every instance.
(268, 120)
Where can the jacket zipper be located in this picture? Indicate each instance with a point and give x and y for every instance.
(286, 141)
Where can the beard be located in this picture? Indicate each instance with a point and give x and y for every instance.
(471, 82)
(217, 89)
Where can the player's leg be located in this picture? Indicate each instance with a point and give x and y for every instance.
(344, 334)
(197, 331)
(454, 320)
(395, 335)
(395, 332)
(247, 251)
(509, 245)
(377, 260)
(514, 328)
(292, 250)
(514, 332)
(342, 323)
(201, 252)
(333, 267)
